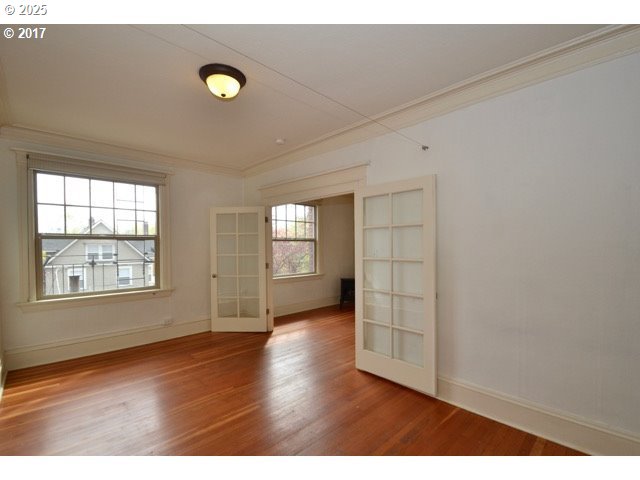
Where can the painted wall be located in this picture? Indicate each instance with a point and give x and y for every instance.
(538, 238)
(191, 195)
(337, 251)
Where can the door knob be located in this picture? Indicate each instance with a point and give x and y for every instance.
(213, 275)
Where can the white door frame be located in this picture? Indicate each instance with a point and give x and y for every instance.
(323, 185)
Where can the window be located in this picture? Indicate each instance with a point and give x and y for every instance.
(93, 234)
(294, 232)
(124, 276)
(99, 253)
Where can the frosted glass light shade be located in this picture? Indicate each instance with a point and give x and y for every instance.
(223, 86)
(223, 81)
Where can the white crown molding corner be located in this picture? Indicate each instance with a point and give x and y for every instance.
(577, 433)
(27, 137)
(600, 46)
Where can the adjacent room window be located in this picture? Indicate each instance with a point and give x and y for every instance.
(294, 232)
(94, 235)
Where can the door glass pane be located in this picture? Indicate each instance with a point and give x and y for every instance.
(248, 223)
(248, 243)
(248, 265)
(377, 242)
(226, 223)
(248, 286)
(376, 210)
(407, 277)
(407, 242)
(376, 338)
(408, 312)
(407, 207)
(377, 306)
(249, 307)
(407, 346)
(226, 244)
(226, 265)
(377, 275)
(227, 307)
(227, 286)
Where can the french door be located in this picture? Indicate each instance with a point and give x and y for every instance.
(238, 273)
(395, 282)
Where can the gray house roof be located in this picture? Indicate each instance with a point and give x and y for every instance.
(52, 247)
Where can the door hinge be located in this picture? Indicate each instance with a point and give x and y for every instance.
(267, 265)
(268, 311)
(266, 219)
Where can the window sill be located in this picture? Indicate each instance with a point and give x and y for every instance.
(298, 278)
(90, 300)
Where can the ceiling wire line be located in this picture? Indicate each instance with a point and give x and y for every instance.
(347, 107)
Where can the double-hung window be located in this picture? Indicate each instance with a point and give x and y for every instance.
(96, 229)
(294, 234)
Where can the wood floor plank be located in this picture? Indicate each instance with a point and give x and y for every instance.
(294, 391)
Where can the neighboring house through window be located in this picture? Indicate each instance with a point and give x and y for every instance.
(294, 233)
(93, 234)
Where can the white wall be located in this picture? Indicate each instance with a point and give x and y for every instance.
(538, 238)
(191, 195)
(337, 251)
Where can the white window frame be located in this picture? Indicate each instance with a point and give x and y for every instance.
(316, 211)
(109, 171)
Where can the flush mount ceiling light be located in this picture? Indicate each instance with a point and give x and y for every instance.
(223, 81)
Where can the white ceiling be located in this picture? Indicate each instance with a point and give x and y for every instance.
(138, 86)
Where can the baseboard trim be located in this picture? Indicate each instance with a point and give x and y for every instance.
(281, 310)
(558, 427)
(82, 347)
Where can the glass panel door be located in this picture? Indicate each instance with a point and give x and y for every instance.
(238, 269)
(395, 258)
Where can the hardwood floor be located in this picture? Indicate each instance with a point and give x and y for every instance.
(292, 392)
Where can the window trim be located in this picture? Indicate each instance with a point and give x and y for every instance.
(26, 226)
(316, 244)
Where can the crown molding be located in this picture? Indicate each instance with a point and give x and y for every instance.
(44, 140)
(596, 47)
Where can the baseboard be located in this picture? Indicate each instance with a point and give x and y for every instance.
(82, 347)
(281, 310)
(558, 427)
